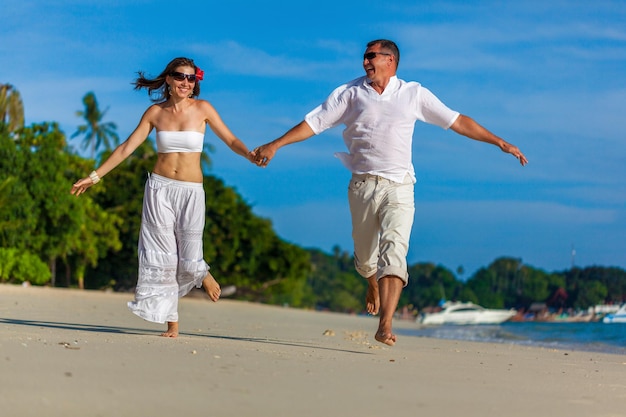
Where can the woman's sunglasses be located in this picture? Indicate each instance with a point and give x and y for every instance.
(179, 76)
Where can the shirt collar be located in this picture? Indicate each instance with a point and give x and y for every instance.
(393, 82)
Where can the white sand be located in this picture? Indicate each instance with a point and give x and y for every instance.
(82, 353)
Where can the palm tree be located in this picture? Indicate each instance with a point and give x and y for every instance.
(96, 133)
(11, 107)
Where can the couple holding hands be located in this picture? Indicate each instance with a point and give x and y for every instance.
(379, 112)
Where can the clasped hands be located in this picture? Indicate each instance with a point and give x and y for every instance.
(262, 155)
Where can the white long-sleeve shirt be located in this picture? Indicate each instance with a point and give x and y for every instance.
(379, 127)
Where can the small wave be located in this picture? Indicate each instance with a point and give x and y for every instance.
(590, 337)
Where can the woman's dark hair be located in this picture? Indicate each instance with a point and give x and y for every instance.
(157, 88)
(388, 45)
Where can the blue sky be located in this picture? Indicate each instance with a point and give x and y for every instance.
(546, 76)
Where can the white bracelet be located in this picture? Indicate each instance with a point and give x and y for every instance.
(94, 177)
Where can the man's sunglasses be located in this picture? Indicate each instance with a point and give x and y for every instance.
(371, 55)
(179, 76)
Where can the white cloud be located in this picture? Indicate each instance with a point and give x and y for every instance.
(234, 57)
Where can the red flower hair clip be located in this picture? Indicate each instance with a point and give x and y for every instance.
(199, 74)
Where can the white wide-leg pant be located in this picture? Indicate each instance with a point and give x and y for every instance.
(171, 260)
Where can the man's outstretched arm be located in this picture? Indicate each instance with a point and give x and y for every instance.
(264, 154)
(466, 126)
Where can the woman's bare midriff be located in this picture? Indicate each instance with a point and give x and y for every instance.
(180, 166)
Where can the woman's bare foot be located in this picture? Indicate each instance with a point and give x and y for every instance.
(172, 329)
(372, 298)
(387, 338)
(211, 287)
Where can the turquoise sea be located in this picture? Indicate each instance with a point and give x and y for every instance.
(591, 337)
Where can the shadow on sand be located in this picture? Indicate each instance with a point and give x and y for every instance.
(144, 332)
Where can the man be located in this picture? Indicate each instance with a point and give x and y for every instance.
(379, 112)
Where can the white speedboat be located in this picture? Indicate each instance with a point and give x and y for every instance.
(618, 317)
(466, 313)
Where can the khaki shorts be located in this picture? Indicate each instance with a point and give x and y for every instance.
(382, 217)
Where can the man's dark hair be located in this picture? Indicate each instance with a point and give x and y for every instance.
(388, 45)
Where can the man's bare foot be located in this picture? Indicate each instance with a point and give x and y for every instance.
(387, 338)
(389, 288)
(211, 287)
(172, 329)
(372, 298)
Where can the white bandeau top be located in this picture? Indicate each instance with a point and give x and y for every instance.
(179, 141)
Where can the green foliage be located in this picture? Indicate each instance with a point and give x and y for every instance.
(508, 283)
(17, 266)
(41, 216)
(505, 283)
(428, 284)
(592, 293)
(32, 269)
(243, 249)
(18, 225)
(582, 285)
(334, 283)
(44, 176)
(483, 285)
(8, 259)
(121, 193)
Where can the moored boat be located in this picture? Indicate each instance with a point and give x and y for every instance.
(466, 313)
(618, 317)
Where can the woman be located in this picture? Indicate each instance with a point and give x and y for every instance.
(170, 242)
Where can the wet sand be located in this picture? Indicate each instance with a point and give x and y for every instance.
(82, 353)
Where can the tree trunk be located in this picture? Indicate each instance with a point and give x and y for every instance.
(53, 271)
(80, 274)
